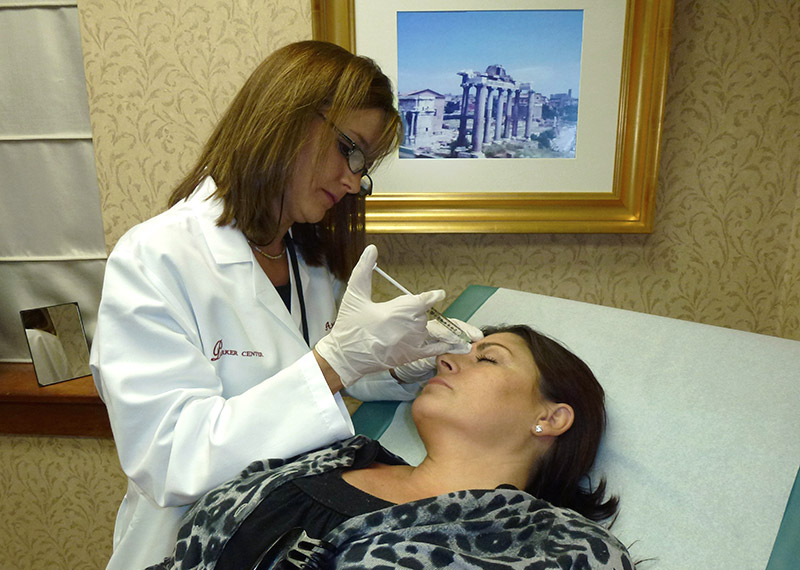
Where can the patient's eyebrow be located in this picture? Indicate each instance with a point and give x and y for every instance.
(485, 345)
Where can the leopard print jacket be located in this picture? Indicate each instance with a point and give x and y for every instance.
(485, 529)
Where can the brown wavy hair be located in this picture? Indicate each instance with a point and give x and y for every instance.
(252, 152)
(562, 476)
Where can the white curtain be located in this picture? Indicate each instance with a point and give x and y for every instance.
(52, 247)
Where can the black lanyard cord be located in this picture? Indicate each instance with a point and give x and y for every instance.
(298, 284)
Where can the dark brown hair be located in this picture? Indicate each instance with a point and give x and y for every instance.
(562, 475)
(252, 152)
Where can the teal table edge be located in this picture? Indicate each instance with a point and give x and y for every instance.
(372, 418)
(470, 300)
(786, 550)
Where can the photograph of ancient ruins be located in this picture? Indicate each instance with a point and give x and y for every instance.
(489, 84)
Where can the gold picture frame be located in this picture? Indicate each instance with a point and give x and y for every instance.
(626, 207)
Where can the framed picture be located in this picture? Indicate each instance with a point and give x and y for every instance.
(531, 116)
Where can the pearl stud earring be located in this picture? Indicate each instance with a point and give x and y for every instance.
(538, 429)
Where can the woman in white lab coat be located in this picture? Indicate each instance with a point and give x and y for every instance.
(202, 349)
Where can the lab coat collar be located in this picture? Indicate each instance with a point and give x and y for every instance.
(227, 244)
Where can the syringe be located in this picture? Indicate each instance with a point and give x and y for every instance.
(435, 315)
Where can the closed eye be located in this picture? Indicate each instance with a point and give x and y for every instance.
(484, 358)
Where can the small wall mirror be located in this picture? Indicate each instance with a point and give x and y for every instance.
(57, 342)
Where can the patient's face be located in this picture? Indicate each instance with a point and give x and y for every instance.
(489, 391)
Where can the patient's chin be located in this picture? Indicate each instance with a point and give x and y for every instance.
(422, 409)
(430, 411)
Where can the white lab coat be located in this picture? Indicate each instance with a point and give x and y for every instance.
(203, 370)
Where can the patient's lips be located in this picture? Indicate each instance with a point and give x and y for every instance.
(439, 380)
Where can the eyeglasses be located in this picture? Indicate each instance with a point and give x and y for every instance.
(356, 160)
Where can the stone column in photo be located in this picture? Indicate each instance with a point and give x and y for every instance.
(515, 114)
(529, 115)
(487, 133)
(477, 123)
(498, 115)
(411, 128)
(462, 125)
(509, 104)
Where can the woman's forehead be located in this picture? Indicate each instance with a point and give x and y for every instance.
(364, 126)
(512, 344)
(510, 341)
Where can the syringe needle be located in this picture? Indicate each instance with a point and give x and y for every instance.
(447, 323)
(391, 280)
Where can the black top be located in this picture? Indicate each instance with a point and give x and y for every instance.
(285, 291)
(318, 504)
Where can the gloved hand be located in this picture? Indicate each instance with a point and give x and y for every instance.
(424, 369)
(369, 336)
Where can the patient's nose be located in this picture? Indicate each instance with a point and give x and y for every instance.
(452, 362)
(445, 363)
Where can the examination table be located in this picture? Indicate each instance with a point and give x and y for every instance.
(703, 442)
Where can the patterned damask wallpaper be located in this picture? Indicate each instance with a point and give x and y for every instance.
(725, 250)
(59, 500)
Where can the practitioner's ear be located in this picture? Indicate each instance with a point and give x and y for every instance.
(557, 419)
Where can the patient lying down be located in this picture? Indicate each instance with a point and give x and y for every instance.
(511, 430)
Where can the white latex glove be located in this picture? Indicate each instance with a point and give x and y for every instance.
(424, 369)
(369, 336)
